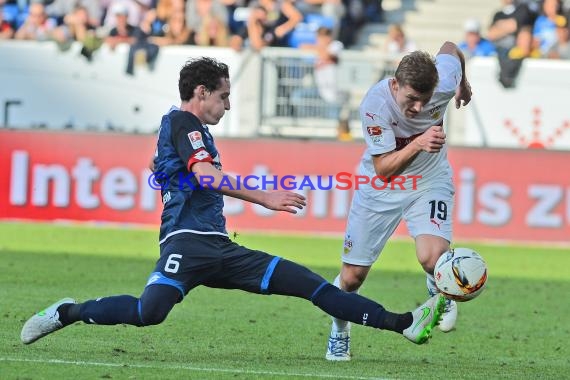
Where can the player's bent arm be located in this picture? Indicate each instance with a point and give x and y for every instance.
(452, 49)
(218, 181)
(395, 162)
(207, 173)
(463, 93)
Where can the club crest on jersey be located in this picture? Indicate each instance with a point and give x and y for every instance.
(195, 138)
(375, 133)
(347, 244)
(435, 113)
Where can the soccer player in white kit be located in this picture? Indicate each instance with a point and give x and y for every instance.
(402, 121)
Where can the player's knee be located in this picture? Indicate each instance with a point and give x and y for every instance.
(156, 302)
(351, 279)
(352, 276)
(428, 249)
(428, 261)
(152, 316)
(428, 267)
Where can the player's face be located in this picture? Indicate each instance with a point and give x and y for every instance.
(409, 100)
(216, 103)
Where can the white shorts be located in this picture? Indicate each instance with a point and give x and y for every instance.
(372, 220)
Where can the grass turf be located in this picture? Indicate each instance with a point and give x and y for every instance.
(518, 328)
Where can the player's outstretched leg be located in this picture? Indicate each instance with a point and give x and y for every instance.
(425, 318)
(416, 326)
(44, 322)
(449, 316)
(150, 309)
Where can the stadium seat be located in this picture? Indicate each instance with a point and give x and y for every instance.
(21, 17)
(306, 31)
(11, 12)
(317, 20)
(302, 34)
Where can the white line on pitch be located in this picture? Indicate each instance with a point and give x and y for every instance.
(184, 367)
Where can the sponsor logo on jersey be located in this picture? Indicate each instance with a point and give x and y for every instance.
(195, 138)
(401, 142)
(166, 197)
(438, 224)
(374, 130)
(370, 115)
(375, 133)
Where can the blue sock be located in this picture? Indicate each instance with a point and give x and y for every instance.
(111, 311)
(357, 309)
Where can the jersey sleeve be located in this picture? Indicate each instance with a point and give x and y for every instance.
(449, 71)
(188, 140)
(376, 128)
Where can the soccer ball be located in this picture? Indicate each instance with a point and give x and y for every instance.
(460, 274)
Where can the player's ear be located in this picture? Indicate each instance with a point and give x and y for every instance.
(394, 84)
(200, 92)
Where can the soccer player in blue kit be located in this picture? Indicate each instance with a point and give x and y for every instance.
(194, 245)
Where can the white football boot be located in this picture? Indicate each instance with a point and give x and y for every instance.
(43, 323)
(339, 346)
(449, 316)
(425, 318)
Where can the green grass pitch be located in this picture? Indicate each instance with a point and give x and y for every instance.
(519, 328)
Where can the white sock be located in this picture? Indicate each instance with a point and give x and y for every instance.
(338, 325)
(430, 282)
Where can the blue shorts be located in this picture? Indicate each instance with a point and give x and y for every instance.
(188, 260)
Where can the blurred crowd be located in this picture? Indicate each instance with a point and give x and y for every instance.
(147, 25)
(520, 29)
(529, 29)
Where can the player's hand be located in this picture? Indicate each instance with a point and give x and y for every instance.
(280, 31)
(432, 140)
(284, 201)
(463, 93)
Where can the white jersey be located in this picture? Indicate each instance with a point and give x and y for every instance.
(385, 128)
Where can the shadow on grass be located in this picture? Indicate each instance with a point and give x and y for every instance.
(515, 329)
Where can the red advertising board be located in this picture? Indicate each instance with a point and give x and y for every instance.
(500, 194)
(77, 176)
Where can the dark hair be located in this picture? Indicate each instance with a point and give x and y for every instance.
(418, 71)
(324, 31)
(203, 71)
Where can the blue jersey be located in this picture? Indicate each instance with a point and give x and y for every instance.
(182, 142)
(484, 48)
